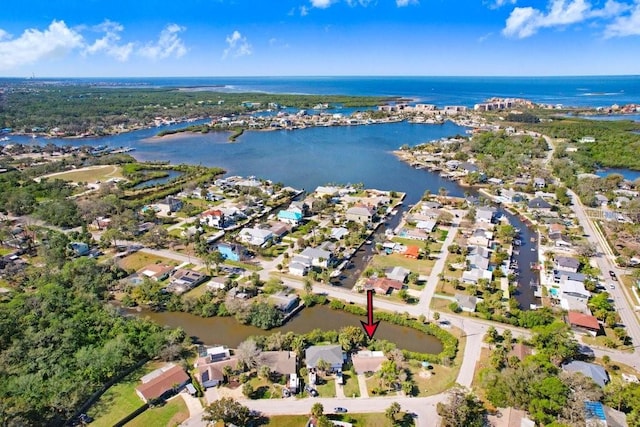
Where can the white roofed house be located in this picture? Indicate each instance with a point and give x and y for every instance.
(397, 273)
(481, 238)
(255, 236)
(485, 214)
(318, 257)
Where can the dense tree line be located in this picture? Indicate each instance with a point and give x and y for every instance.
(59, 343)
(75, 109)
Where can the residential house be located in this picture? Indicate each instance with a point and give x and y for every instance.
(212, 374)
(285, 303)
(79, 248)
(232, 251)
(281, 363)
(184, 279)
(429, 205)
(474, 275)
(162, 382)
(466, 302)
(574, 288)
(481, 237)
(397, 273)
(327, 191)
(332, 354)
(468, 168)
(539, 183)
(583, 323)
(298, 268)
(520, 351)
(539, 204)
(169, 205)
(426, 226)
(290, 216)
(621, 202)
(563, 263)
(414, 234)
(314, 257)
(279, 229)
(485, 214)
(596, 372)
(338, 233)
(361, 214)
(412, 252)
(157, 272)
(383, 285)
(602, 200)
(495, 181)
(510, 196)
(510, 417)
(255, 236)
(575, 304)
(560, 240)
(478, 262)
(217, 283)
(213, 218)
(479, 250)
(366, 361)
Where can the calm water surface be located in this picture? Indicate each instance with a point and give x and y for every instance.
(228, 331)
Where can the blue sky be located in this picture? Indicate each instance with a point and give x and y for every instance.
(115, 38)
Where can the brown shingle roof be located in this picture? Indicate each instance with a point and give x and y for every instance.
(162, 383)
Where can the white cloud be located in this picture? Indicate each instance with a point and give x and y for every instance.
(109, 42)
(483, 38)
(496, 4)
(623, 26)
(304, 11)
(404, 3)
(363, 3)
(237, 45)
(321, 4)
(33, 45)
(526, 21)
(168, 44)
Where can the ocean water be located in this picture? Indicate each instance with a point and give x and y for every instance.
(596, 91)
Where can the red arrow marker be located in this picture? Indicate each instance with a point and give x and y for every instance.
(371, 326)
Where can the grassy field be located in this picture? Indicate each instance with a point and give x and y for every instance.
(120, 400)
(5, 251)
(89, 174)
(351, 387)
(393, 260)
(358, 420)
(171, 414)
(137, 260)
(328, 388)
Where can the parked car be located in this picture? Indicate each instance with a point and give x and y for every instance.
(612, 286)
(339, 410)
(312, 391)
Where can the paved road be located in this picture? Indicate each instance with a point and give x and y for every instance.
(605, 261)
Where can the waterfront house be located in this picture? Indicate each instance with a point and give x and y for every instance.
(162, 382)
(539, 204)
(211, 374)
(478, 261)
(232, 251)
(560, 240)
(285, 303)
(157, 272)
(330, 191)
(367, 361)
(218, 283)
(563, 263)
(475, 274)
(486, 214)
(332, 354)
(468, 168)
(560, 275)
(383, 285)
(574, 288)
(583, 323)
(282, 363)
(255, 236)
(213, 218)
(290, 216)
(184, 279)
(361, 214)
(596, 372)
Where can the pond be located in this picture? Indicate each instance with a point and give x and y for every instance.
(228, 331)
(629, 174)
(171, 174)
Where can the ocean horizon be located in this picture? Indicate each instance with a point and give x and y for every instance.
(568, 91)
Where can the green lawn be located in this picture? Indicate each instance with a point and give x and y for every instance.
(350, 387)
(418, 266)
(120, 400)
(5, 251)
(171, 414)
(141, 259)
(328, 388)
(90, 174)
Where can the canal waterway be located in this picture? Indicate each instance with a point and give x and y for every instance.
(230, 332)
(311, 157)
(171, 174)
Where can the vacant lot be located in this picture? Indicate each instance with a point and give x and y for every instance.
(89, 174)
(141, 259)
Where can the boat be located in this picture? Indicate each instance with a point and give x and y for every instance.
(517, 242)
(533, 249)
(5, 139)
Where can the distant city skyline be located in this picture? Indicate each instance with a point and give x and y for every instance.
(121, 38)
